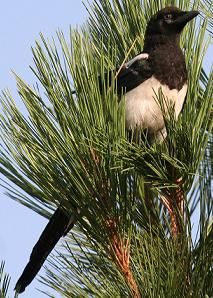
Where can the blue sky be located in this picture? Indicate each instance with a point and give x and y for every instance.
(20, 24)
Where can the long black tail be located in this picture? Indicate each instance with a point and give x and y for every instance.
(58, 226)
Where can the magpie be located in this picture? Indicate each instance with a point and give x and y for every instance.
(161, 64)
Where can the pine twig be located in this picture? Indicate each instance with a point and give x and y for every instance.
(172, 202)
(120, 253)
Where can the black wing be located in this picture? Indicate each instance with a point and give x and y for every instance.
(132, 74)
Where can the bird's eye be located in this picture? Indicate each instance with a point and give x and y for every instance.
(168, 16)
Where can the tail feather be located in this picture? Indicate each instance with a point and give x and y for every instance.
(58, 226)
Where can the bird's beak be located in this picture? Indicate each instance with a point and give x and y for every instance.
(186, 17)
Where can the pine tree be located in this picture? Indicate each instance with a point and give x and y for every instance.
(71, 149)
(4, 281)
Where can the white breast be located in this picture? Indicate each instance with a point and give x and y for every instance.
(142, 109)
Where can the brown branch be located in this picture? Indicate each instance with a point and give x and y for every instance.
(120, 253)
(119, 249)
(174, 202)
(167, 202)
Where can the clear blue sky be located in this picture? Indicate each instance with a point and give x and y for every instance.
(20, 24)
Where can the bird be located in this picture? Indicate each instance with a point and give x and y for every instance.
(161, 65)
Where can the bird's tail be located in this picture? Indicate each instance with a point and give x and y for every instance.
(58, 226)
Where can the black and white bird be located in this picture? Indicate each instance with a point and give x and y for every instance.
(160, 65)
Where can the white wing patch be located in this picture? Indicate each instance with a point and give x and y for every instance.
(142, 110)
(138, 57)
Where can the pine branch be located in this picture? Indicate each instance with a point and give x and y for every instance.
(71, 150)
(4, 281)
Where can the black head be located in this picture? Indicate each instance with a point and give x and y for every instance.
(169, 21)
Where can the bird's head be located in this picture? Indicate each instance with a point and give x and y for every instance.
(169, 21)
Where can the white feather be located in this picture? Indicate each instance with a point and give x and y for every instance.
(138, 57)
(143, 111)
